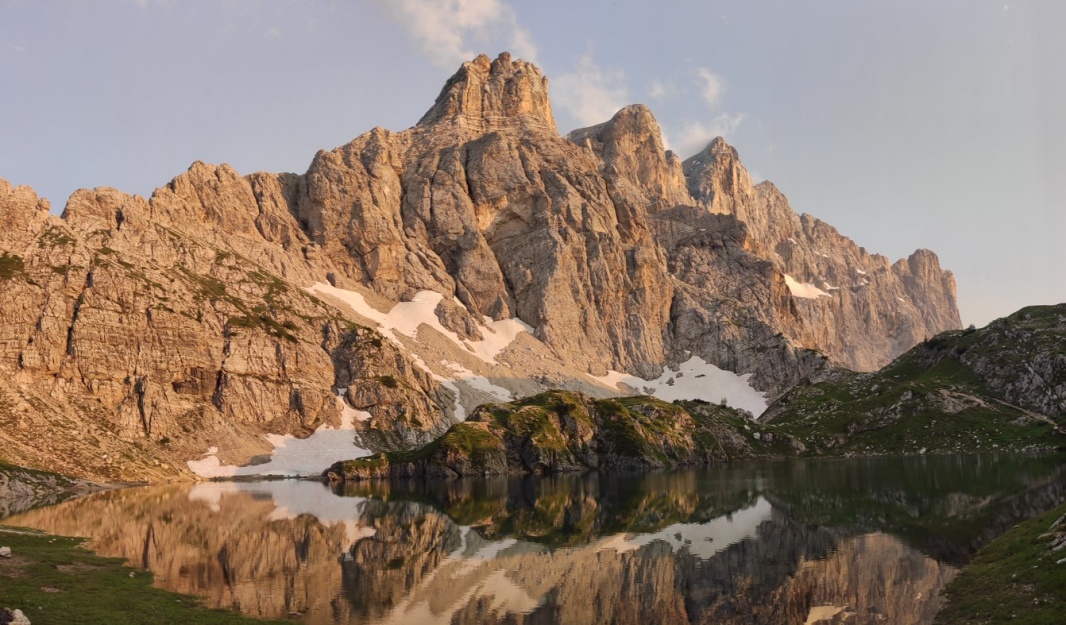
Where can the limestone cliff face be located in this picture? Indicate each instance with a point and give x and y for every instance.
(870, 310)
(184, 316)
(129, 346)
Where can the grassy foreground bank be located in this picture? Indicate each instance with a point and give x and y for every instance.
(55, 581)
(1014, 579)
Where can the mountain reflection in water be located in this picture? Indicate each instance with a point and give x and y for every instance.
(869, 541)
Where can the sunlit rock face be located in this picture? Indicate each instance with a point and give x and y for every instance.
(149, 331)
(860, 308)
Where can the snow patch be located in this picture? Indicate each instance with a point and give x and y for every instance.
(498, 336)
(478, 382)
(695, 379)
(822, 613)
(407, 317)
(804, 289)
(294, 457)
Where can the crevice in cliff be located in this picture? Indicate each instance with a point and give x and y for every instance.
(76, 312)
(140, 390)
(220, 376)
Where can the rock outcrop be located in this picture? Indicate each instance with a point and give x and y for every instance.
(22, 489)
(141, 333)
(561, 431)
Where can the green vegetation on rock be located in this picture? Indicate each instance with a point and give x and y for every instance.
(563, 431)
(1002, 387)
(11, 265)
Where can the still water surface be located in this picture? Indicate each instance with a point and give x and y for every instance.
(855, 541)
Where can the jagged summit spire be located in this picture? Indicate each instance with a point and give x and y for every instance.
(486, 95)
(715, 175)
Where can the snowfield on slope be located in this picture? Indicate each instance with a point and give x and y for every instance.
(694, 379)
(406, 318)
(295, 457)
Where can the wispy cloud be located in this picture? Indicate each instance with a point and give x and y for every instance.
(444, 29)
(659, 90)
(272, 32)
(695, 135)
(710, 86)
(590, 94)
(692, 135)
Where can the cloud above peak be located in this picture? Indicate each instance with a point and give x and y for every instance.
(710, 86)
(659, 90)
(588, 93)
(447, 29)
(693, 136)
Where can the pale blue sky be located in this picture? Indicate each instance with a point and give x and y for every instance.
(905, 124)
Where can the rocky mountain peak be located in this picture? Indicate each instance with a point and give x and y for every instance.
(631, 146)
(487, 95)
(716, 175)
(25, 212)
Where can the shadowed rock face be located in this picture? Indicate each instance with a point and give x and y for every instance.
(183, 317)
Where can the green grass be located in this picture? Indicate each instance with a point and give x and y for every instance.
(1014, 578)
(536, 418)
(471, 441)
(54, 237)
(55, 581)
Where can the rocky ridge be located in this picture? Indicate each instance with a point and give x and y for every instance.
(859, 308)
(998, 387)
(142, 333)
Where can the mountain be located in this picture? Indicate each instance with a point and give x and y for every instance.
(999, 387)
(408, 277)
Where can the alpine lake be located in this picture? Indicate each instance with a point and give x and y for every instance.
(797, 541)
